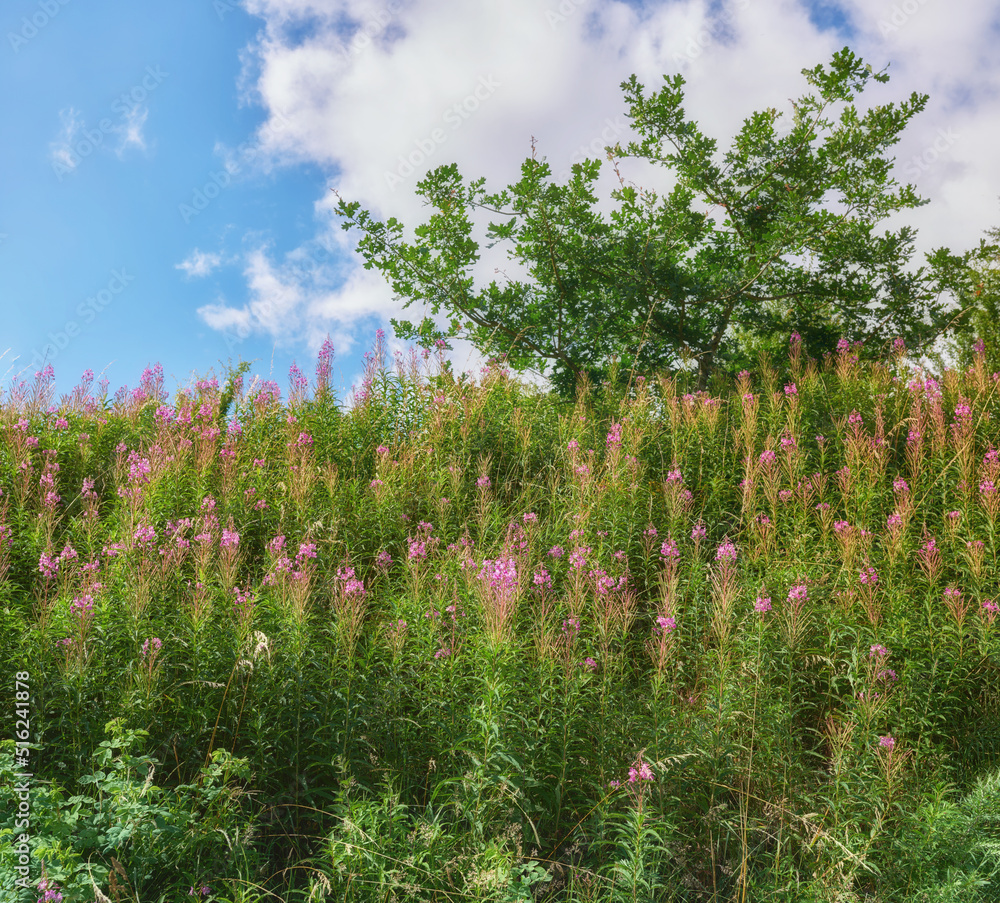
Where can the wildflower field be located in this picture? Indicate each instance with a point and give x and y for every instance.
(461, 640)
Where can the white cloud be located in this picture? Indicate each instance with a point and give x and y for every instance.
(199, 264)
(130, 130)
(378, 92)
(61, 150)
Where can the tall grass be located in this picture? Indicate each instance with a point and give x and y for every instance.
(462, 641)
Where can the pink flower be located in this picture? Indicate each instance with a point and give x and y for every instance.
(887, 742)
(726, 552)
(542, 578)
(763, 605)
(669, 550)
(798, 593)
(229, 539)
(869, 576)
(664, 626)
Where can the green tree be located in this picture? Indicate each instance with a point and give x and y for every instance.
(779, 235)
(977, 287)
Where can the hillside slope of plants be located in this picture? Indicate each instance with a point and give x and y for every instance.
(463, 640)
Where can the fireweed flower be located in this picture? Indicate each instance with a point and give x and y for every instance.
(83, 606)
(590, 664)
(642, 773)
(50, 891)
(798, 593)
(930, 558)
(664, 626)
(887, 742)
(763, 605)
(726, 552)
(886, 677)
(571, 628)
(669, 551)
(350, 585)
(48, 566)
(791, 390)
(152, 645)
(229, 539)
(869, 576)
(878, 651)
(578, 557)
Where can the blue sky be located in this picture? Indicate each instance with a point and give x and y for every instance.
(168, 166)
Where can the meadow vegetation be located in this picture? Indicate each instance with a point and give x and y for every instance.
(465, 639)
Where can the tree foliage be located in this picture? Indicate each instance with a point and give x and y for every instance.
(778, 235)
(977, 287)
